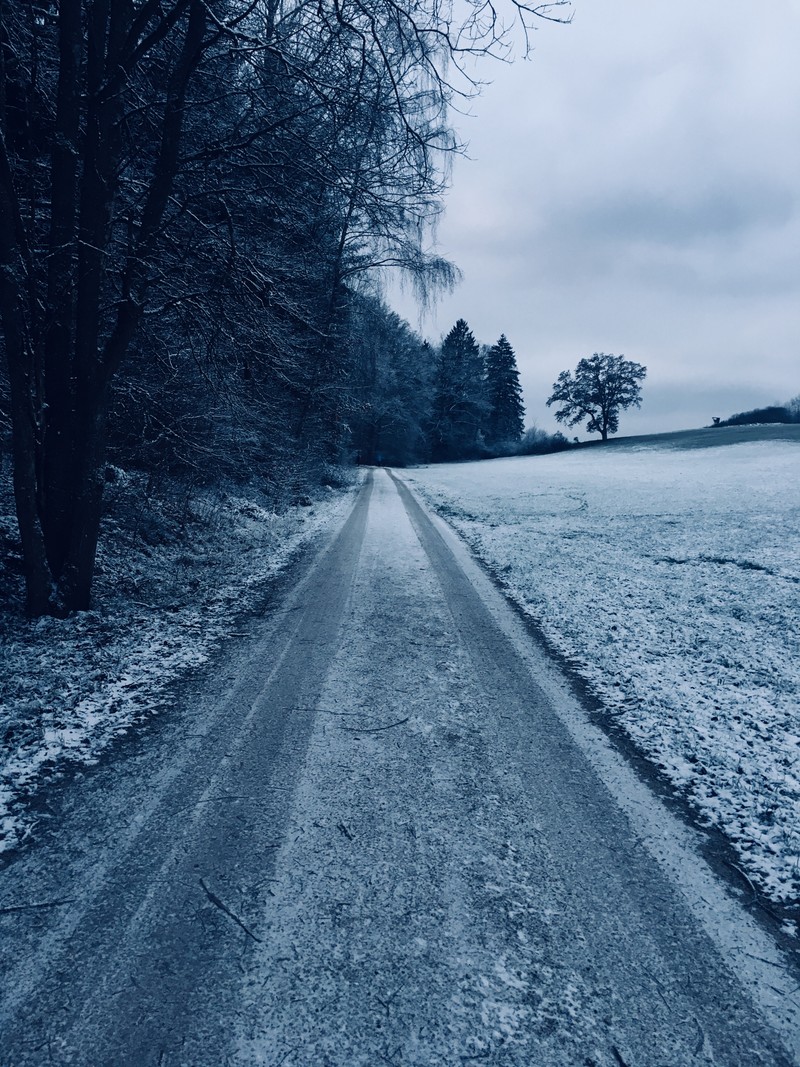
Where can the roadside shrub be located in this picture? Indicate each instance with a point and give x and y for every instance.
(536, 442)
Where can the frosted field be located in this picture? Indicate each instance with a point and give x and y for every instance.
(670, 580)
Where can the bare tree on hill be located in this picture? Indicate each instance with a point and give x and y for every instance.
(601, 387)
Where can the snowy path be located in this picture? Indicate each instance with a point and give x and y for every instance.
(372, 841)
(668, 578)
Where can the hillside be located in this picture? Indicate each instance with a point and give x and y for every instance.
(705, 437)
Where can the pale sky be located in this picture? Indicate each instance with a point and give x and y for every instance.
(634, 188)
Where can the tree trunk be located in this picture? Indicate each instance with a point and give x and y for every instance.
(23, 376)
(25, 451)
(58, 383)
(62, 351)
(88, 480)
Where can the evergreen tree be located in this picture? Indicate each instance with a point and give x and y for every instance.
(394, 372)
(505, 418)
(459, 404)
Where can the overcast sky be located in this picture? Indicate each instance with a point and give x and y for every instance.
(634, 188)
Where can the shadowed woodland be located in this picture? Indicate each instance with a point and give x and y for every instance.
(197, 203)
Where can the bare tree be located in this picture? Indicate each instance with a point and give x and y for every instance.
(601, 387)
(121, 123)
(67, 325)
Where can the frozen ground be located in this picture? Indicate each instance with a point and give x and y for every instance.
(670, 580)
(175, 577)
(380, 832)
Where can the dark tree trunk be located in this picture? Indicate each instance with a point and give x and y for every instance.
(25, 449)
(62, 359)
(58, 417)
(23, 373)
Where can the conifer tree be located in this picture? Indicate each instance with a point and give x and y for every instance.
(459, 404)
(505, 417)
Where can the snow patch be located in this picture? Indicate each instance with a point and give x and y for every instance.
(669, 581)
(171, 586)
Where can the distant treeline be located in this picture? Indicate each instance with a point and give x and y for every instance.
(775, 413)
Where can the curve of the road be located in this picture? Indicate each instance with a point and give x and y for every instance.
(385, 834)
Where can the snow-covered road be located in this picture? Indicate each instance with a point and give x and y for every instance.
(666, 574)
(387, 834)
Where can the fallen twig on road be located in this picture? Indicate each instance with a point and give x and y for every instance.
(215, 900)
(374, 729)
(9, 908)
(752, 888)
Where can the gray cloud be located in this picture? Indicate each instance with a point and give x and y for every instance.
(634, 189)
(699, 214)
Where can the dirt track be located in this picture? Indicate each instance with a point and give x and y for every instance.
(373, 841)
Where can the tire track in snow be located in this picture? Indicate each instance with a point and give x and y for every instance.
(461, 886)
(140, 968)
(428, 868)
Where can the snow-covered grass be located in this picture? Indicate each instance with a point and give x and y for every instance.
(176, 576)
(670, 579)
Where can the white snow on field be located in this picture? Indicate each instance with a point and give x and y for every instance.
(670, 579)
(69, 687)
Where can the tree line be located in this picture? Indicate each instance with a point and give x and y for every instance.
(193, 197)
(459, 401)
(775, 413)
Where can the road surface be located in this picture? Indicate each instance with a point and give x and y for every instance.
(384, 834)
